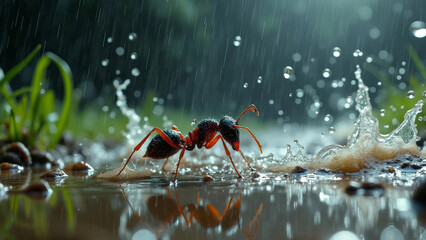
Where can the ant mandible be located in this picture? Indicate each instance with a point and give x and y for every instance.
(169, 142)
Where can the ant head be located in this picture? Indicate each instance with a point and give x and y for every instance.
(229, 133)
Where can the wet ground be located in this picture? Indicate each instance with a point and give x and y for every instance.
(260, 206)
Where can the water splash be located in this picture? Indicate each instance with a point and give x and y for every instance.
(134, 131)
(365, 145)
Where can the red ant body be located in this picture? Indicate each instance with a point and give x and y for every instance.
(169, 142)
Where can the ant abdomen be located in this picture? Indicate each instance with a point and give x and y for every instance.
(158, 148)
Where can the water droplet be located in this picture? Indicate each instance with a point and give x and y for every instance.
(132, 36)
(280, 112)
(105, 62)
(328, 118)
(109, 40)
(105, 108)
(271, 101)
(336, 52)
(245, 85)
(117, 72)
(119, 51)
(288, 72)
(299, 93)
(358, 53)
(403, 63)
(326, 73)
(290, 94)
(418, 29)
(382, 112)
(259, 79)
(410, 94)
(194, 122)
(133, 55)
(237, 41)
(424, 94)
(296, 57)
(369, 59)
(331, 130)
(135, 72)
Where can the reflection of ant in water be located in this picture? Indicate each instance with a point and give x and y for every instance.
(169, 142)
(167, 210)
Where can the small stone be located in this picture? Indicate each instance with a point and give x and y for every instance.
(298, 169)
(10, 166)
(22, 151)
(56, 173)
(40, 187)
(79, 166)
(41, 157)
(10, 157)
(352, 188)
(405, 165)
(415, 166)
(207, 178)
(255, 175)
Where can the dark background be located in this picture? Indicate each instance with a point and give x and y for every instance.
(186, 55)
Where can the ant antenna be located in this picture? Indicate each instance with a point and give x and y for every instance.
(249, 108)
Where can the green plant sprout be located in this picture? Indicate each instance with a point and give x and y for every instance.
(394, 101)
(30, 111)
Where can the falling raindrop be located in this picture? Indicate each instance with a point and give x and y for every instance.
(336, 52)
(288, 72)
(358, 53)
(109, 40)
(237, 41)
(290, 94)
(119, 51)
(133, 55)
(132, 36)
(117, 72)
(135, 72)
(245, 85)
(299, 93)
(296, 57)
(326, 73)
(328, 118)
(410, 94)
(331, 130)
(382, 112)
(418, 29)
(259, 79)
(105, 62)
(280, 112)
(369, 59)
(271, 101)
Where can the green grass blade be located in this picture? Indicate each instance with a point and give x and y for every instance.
(66, 74)
(18, 68)
(38, 78)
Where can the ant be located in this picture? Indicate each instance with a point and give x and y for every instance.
(169, 142)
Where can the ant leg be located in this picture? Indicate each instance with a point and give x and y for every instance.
(162, 135)
(247, 231)
(249, 108)
(187, 141)
(162, 168)
(255, 139)
(245, 159)
(177, 130)
(213, 142)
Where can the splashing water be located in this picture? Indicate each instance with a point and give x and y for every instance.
(365, 145)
